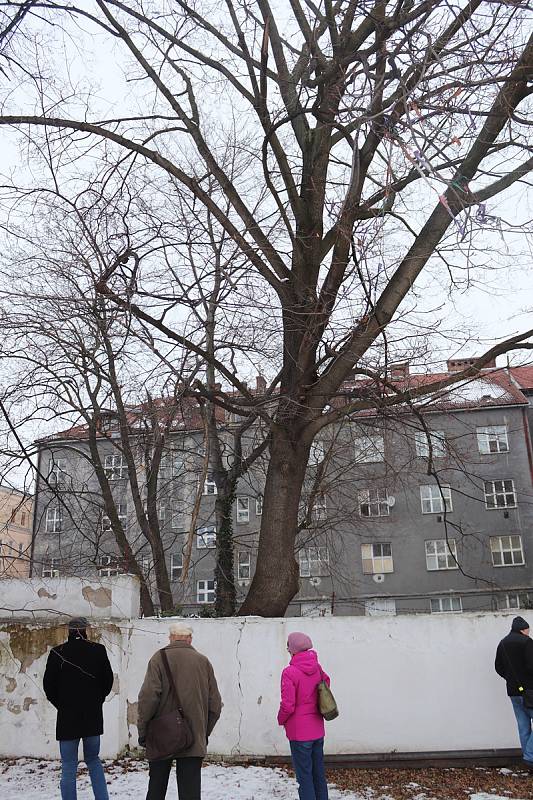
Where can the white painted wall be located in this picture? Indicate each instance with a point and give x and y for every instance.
(406, 683)
(46, 598)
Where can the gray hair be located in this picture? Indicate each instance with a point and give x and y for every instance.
(180, 629)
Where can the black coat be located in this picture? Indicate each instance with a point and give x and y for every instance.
(77, 679)
(514, 662)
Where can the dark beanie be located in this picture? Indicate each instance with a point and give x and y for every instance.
(519, 624)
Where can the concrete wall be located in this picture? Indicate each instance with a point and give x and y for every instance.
(406, 683)
(46, 598)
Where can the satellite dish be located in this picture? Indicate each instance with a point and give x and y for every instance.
(379, 578)
(315, 581)
(391, 500)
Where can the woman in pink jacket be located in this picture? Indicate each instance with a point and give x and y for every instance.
(299, 714)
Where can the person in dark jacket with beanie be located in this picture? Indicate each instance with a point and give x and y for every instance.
(514, 663)
(77, 679)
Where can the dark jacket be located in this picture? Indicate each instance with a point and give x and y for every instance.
(77, 679)
(514, 662)
(197, 690)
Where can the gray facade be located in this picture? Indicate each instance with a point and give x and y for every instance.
(388, 529)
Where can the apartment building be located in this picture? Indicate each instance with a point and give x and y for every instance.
(420, 509)
(16, 522)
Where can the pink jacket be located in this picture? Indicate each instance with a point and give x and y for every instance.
(298, 710)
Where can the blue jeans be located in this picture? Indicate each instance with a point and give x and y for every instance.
(523, 720)
(308, 763)
(69, 767)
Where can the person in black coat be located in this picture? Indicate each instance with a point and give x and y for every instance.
(514, 663)
(77, 679)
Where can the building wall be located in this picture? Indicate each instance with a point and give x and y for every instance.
(402, 684)
(341, 587)
(16, 520)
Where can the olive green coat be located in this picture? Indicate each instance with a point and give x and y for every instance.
(197, 690)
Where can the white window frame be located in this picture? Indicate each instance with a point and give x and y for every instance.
(492, 439)
(318, 609)
(441, 554)
(243, 509)
(374, 558)
(206, 537)
(108, 566)
(244, 565)
(508, 603)
(205, 591)
(176, 515)
(500, 545)
(176, 566)
(438, 444)
(259, 506)
(319, 511)
(317, 454)
(171, 464)
(380, 607)
(434, 498)
(369, 448)
(498, 495)
(122, 513)
(50, 568)
(115, 468)
(374, 502)
(210, 487)
(314, 562)
(53, 522)
(161, 514)
(439, 605)
(57, 472)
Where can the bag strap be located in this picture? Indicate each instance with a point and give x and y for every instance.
(174, 690)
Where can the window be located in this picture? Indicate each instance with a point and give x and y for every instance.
(53, 520)
(511, 601)
(51, 568)
(374, 503)
(206, 537)
(176, 515)
(506, 551)
(205, 591)
(369, 449)
(122, 513)
(115, 467)
(380, 607)
(315, 609)
(438, 444)
(314, 562)
(107, 566)
(377, 558)
(435, 499)
(176, 566)
(171, 464)
(499, 494)
(161, 513)
(441, 554)
(319, 511)
(445, 605)
(492, 439)
(57, 471)
(243, 565)
(210, 486)
(259, 505)
(316, 454)
(243, 509)
(23, 519)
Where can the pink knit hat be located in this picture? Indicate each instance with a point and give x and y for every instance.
(297, 642)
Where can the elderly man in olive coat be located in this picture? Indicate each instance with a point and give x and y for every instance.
(200, 700)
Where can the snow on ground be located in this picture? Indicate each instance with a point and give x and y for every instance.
(34, 779)
(26, 779)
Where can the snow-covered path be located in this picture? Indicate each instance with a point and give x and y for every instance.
(27, 779)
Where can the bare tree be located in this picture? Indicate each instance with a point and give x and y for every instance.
(379, 133)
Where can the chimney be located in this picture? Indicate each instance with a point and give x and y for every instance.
(399, 370)
(457, 364)
(260, 384)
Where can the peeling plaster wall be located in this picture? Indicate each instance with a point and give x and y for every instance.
(27, 720)
(403, 683)
(42, 598)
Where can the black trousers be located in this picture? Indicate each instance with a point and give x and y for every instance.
(188, 776)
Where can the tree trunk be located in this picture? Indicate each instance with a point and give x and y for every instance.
(276, 578)
(225, 597)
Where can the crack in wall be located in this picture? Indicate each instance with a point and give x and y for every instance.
(237, 749)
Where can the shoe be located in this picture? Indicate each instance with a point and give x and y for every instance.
(528, 765)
